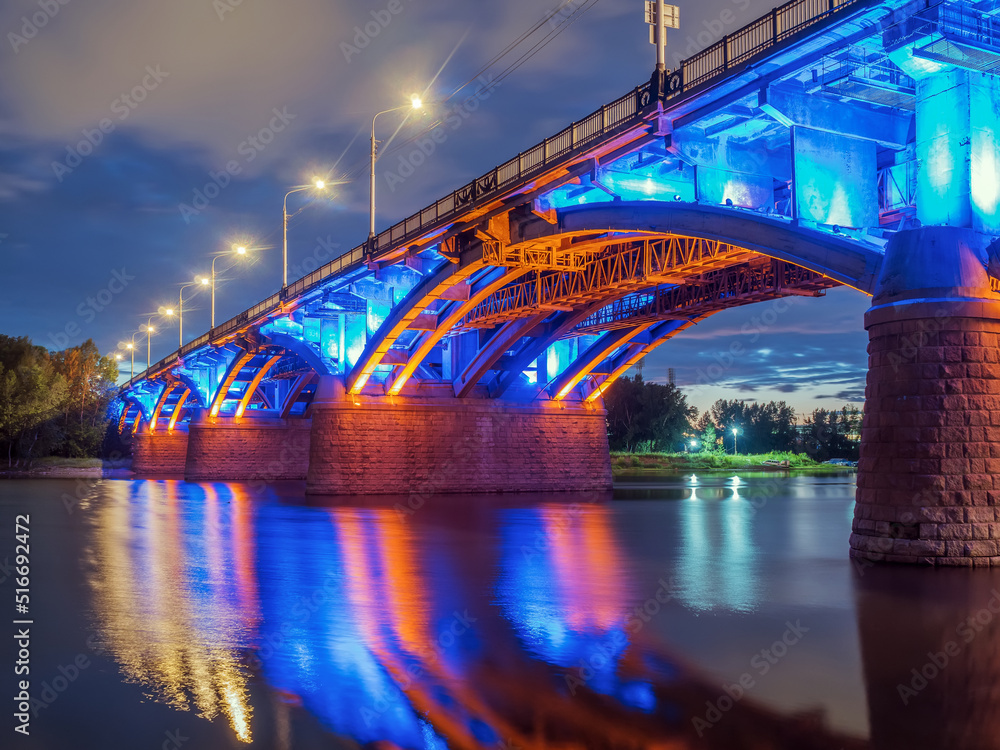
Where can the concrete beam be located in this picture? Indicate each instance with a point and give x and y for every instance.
(889, 128)
(724, 153)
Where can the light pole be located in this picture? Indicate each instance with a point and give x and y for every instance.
(319, 185)
(734, 441)
(180, 309)
(693, 444)
(415, 103)
(150, 329)
(130, 345)
(239, 250)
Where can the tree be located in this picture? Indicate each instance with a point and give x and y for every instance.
(53, 403)
(90, 380)
(646, 415)
(833, 434)
(31, 395)
(762, 428)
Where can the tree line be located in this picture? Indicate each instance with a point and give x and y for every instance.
(654, 417)
(53, 403)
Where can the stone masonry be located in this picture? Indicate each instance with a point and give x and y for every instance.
(372, 447)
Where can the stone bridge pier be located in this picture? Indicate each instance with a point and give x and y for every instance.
(364, 445)
(929, 474)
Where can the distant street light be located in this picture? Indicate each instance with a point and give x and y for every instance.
(318, 185)
(694, 443)
(131, 350)
(734, 441)
(180, 308)
(239, 250)
(415, 103)
(149, 330)
(167, 311)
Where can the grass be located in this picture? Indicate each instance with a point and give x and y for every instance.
(679, 463)
(55, 463)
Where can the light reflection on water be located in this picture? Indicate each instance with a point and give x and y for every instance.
(175, 590)
(523, 621)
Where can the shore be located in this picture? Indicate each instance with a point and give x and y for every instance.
(632, 464)
(71, 468)
(622, 464)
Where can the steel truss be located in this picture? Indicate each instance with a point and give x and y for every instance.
(730, 287)
(625, 265)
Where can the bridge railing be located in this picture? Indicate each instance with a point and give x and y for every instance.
(729, 52)
(767, 31)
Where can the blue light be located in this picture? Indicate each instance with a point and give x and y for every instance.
(835, 179)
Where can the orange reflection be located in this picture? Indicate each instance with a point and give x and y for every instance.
(176, 595)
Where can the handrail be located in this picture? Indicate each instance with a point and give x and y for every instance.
(730, 52)
(733, 50)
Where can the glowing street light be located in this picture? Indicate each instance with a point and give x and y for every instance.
(318, 185)
(149, 330)
(131, 351)
(694, 443)
(415, 103)
(239, 250)
(180, 308)
(735, 431)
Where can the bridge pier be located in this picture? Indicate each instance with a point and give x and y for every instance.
(159, 453)
(929, 474)
(373, 446)
(251, 448)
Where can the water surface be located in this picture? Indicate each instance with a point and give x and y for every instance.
(702, 611)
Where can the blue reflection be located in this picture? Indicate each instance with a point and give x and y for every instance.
(328, 640)
(717, 568)
(560, 585)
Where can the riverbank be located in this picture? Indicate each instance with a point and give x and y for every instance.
(629, 464)
(70, 468)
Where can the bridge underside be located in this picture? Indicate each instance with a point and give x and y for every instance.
(503, 352)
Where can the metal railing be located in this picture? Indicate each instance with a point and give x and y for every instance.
(730, 52)
(767, 31)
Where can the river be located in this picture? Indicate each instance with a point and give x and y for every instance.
(700, 611)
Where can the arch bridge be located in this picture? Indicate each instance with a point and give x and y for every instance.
(828, 143)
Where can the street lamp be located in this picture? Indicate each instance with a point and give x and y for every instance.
(149, 330)
(180, 308)
(318, 185)
(734, 441)
(130, 346)
(693, 444)
(239, 250)
(415, 103)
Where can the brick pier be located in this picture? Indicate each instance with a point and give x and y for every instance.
(929, 474)
(225, 449)
(371, 446)
(159, 453)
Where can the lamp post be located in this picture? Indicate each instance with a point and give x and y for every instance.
(180, 308)
(150, 330)
(131, 349)
(239, 250)
(415, 103)
(319, 185)
(734, 441)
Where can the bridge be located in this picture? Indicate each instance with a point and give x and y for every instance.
(466, 348)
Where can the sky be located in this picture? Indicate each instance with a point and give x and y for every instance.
(137, 139)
